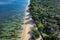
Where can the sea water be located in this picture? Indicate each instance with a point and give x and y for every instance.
(11, 15)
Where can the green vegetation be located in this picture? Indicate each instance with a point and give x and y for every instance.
(46, 16)
(10, 28)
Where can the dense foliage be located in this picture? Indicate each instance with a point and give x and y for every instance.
(10, 28)
(46, 15)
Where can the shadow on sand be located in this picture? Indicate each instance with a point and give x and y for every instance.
(31, 33)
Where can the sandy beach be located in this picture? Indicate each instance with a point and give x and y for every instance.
(27, 26)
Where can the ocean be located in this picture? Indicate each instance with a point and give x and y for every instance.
(11, 16)
(10, 9)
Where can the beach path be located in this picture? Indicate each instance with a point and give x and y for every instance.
(27, 27)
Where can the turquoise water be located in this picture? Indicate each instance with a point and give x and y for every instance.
(11, 16)
(9, 8)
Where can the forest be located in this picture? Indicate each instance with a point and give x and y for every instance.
(10, 27)
(46, 15)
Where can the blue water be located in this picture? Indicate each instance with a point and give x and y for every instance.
(12, 9)
(11, 17)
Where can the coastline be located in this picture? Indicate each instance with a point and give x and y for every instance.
(27, 27)
(27, 5)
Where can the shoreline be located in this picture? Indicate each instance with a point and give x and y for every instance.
(27, 8)
(26, 27)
